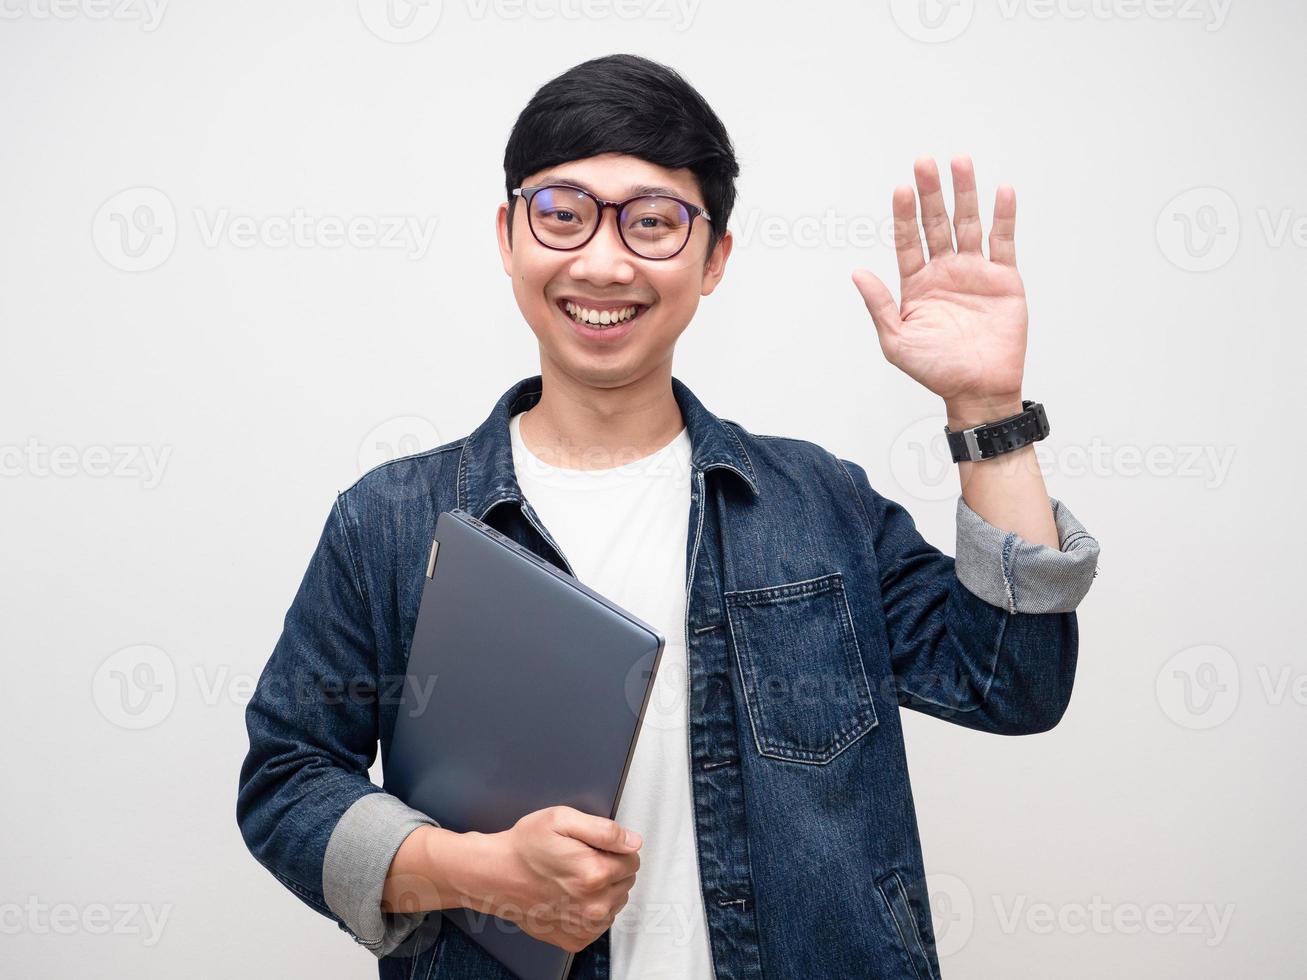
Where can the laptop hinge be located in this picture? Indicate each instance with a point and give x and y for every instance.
(431, 562)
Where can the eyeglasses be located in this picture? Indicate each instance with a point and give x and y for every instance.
(653, 226)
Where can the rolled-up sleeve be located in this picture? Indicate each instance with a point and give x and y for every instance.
(305, 804)
(1006, 570)
(357, 860)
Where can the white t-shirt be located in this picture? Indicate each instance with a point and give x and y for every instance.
(623, 531)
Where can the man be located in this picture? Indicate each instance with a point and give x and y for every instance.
(773, 830)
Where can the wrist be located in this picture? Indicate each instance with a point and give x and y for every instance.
(488, 872)
(972, 410)
(456, 864)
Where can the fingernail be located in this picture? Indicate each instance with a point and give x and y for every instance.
(632, 839)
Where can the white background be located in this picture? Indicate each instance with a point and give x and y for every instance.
(1155, 832)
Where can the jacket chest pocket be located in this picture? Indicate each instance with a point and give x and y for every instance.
(808, 696)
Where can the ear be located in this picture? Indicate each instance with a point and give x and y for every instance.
(501, 232)
(716, 267)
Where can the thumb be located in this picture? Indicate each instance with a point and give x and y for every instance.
(880, 302)
(600, 832)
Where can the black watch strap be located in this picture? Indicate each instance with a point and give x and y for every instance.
(995, 438)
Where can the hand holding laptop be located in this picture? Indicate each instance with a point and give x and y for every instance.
(535, 688)
(563, 875)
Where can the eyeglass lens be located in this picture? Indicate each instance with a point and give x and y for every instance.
(654, 227)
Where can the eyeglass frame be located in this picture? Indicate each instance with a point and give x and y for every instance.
(527, 193)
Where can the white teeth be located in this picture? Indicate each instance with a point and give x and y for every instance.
(600, 317)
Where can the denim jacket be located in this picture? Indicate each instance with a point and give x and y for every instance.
(815, 610)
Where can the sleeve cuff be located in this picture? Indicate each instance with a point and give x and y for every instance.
(354, 868)
(1006, 570)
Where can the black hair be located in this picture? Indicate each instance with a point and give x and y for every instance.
(622, 103)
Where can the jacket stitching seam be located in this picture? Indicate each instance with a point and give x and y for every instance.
(730, 429)
(898, 926)
(356, 570)
(1007, 558)
(457, 444)
(907, 907)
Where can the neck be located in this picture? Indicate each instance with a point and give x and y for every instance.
(579, 426)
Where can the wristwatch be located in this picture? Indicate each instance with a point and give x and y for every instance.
(995, 438)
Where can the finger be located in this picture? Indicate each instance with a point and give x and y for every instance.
(881, 305)
(966, 208)
(619, 866)
(907, 237)
(1002, 240)
(934, 217)
(598, 832)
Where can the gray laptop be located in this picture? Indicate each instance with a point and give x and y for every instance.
(525, 689)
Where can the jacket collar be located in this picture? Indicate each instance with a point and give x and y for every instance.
(485, 465)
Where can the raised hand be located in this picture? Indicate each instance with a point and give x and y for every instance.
(960, 326)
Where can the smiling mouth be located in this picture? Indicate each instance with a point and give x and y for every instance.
(597, 318)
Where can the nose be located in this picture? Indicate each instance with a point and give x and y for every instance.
(604, 259)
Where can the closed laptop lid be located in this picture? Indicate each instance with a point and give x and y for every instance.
(525, 689)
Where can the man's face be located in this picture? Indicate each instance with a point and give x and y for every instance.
(605, 275)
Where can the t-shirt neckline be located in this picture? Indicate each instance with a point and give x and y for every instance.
(563, 472)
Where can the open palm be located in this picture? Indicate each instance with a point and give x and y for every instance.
(960, 328)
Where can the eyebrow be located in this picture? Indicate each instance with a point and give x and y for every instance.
(634, 190)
